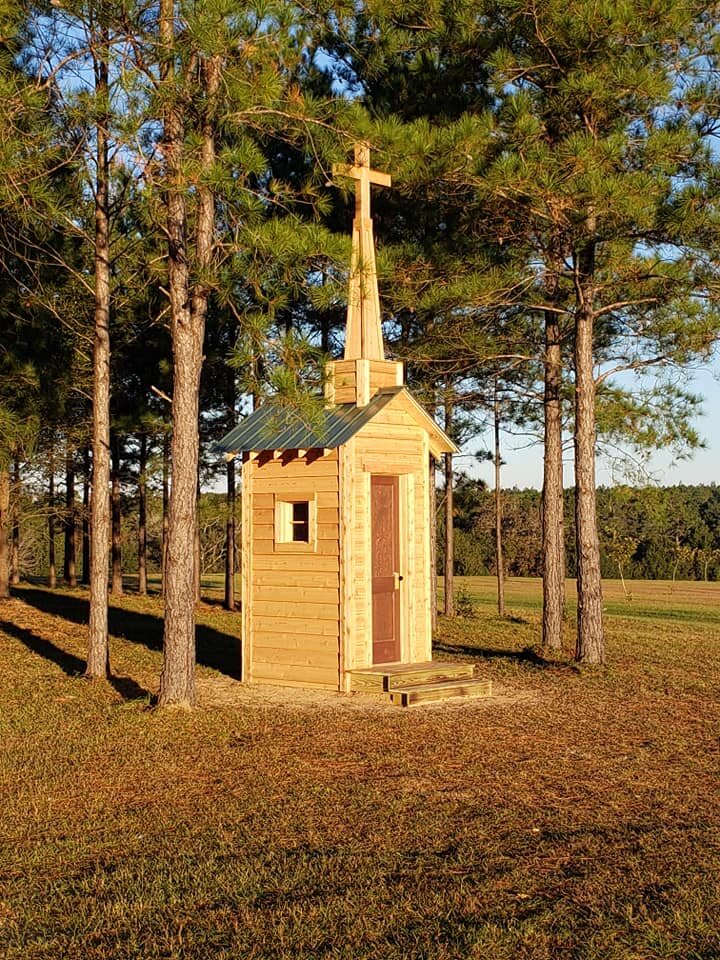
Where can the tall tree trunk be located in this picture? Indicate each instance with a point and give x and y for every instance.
(231, 399)
(590, 647)
(85, 579)
(188, 311)
(325, 325)
(15, 544)
(553, 534)
(98, 656)
(142, 516)
(433, 544)
(230, 539)
(5, 521)
(449, 592)
(165, 505)
(70, 560)
(52, 569)
(116, 588)
(449, 597)
(499, 566)
(197, 548)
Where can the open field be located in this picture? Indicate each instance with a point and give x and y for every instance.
(575, 815)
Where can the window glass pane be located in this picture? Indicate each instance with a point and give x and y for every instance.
(301, 522)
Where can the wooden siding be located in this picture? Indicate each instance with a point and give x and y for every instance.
(356, 381)
(292, 616)
(392, 443)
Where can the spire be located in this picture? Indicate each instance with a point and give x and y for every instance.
(363, 338)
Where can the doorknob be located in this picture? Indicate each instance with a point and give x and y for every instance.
(398, 578)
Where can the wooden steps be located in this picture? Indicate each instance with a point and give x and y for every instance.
(405, 684)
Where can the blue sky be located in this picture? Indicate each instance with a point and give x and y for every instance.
(523, 463)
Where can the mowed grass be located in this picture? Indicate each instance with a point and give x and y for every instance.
(574, 815)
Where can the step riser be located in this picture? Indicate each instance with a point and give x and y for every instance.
(406, 698)
(367, 683)
(381, 682)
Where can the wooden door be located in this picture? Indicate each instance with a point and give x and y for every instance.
(385, 521)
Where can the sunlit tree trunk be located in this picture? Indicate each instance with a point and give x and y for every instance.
(230, 539)
(553, 533)
(98, 657)
(15, 508)
(52, 569)
(165, 503)
(85, 579)
(188, 310)
(499, 565)
(142, 516)
(230, 501)
(449, 592)
(433, 544)
(70, 560)
(590, 646)
(197, 547)
(116, 507)
(5, 521)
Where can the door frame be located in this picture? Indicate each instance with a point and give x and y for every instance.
(405, 530)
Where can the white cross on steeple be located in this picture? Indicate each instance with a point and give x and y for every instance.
(363, 338)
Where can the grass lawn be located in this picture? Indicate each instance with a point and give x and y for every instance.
(574, 815)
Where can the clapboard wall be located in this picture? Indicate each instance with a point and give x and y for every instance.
(392, 444)
(291, 600)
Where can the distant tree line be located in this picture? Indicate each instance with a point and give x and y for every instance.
(646, 533)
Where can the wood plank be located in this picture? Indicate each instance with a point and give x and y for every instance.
(347, 572)
(294, 641)
(328, 531)
(283, 593)
(297, 563)
(394, 464)
(308, 628)
(296, 658)
(305, 611)
(325, 484)
(305, 684)
(390, 438)
(428, 693)
(322, 467)
(396, 418)
(392, 365)
(246, 564)
(296, 578)
(263, 531)
(425, 585)
(322, 676)
(328, 548)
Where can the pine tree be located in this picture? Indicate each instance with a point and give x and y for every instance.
(606, 166)
(227, 88)
(593, 170)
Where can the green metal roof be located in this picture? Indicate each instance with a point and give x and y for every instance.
(276, 427)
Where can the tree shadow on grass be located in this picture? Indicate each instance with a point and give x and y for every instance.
(526, 655)
(70, 664)
(215, 649)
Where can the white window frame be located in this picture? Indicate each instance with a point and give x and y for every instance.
(283, 523)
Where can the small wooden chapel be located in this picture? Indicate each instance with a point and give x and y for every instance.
(337, 583)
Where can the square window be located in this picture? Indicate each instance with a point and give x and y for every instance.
(294, 523)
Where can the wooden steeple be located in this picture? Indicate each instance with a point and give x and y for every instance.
(364, 370)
